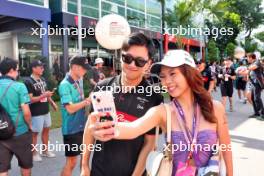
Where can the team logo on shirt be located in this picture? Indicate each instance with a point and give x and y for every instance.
(3, 125)
(142, 100)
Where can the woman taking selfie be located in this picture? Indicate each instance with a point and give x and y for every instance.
(195, 117)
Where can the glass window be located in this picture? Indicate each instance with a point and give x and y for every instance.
(135, 18)
(72, 6)
(154, 23)
(36, 2)
(153, 8)
(108, 8)
(136, 4)
(120, 2)
(91, 3)
(55, 6)
(91, 12)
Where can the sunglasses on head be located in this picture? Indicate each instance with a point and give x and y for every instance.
(139, 61)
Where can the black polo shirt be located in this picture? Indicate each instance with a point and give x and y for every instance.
(119, 157)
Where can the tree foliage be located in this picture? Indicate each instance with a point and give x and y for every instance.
(230, 48)
(212, 51)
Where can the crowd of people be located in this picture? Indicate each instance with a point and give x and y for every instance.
(189, 85)
(245, 75)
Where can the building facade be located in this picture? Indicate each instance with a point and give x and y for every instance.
(17, 18)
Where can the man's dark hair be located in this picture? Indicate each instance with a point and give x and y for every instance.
(252, 55)
(7, 64)
(139, 39)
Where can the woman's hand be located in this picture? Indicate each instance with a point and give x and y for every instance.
(103, 131)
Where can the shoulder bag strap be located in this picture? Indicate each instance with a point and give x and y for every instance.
(168, 115)
(168, 118)
(9, 85)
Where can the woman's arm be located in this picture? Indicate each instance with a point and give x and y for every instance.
(104, 131)
(87, 141)
(154, 117)
(224, 137)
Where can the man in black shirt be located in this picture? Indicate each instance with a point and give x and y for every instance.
(207, 75)
(40, 98)
(227, 75)
(97, 74)
(126, 157)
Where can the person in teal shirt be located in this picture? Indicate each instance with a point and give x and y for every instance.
(73, 105)
(15, 102)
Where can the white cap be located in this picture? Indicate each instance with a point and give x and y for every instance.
(174, 58)
(98, 60)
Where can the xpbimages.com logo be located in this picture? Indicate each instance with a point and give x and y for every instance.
(62, 31)
(191, 31)
(147, 90)
(59, 147)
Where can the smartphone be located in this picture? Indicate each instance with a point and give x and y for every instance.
(103, 101)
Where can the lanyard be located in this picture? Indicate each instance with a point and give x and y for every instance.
(191, 135)
(191, 139)
(39, 83)
(77, 86)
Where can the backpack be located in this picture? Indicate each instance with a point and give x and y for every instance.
(7, 128)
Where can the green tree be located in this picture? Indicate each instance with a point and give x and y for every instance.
(260, 36)
(181, 14)
(230, 21)
(249, 46)
(251, 13)
(212, 51)
(230, 49)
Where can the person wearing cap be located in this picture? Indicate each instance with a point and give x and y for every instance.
(192, 106)
(40, 98)
(227, 75)
(15, 100)
(73, 111)
(97, 75)
(119, 157)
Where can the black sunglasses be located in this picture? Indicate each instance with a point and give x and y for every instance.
(139, 61)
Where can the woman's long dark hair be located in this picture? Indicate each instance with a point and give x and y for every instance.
(201, 95)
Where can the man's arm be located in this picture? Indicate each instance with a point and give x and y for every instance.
(53, 104)
(72, 108)
(87, 140)
(92, 82)
(211, 86)
(149, 143)
(252, 67)
(36, 99)
(27, 115)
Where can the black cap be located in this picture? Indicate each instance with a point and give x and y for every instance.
(36, 63)
(82, 61)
